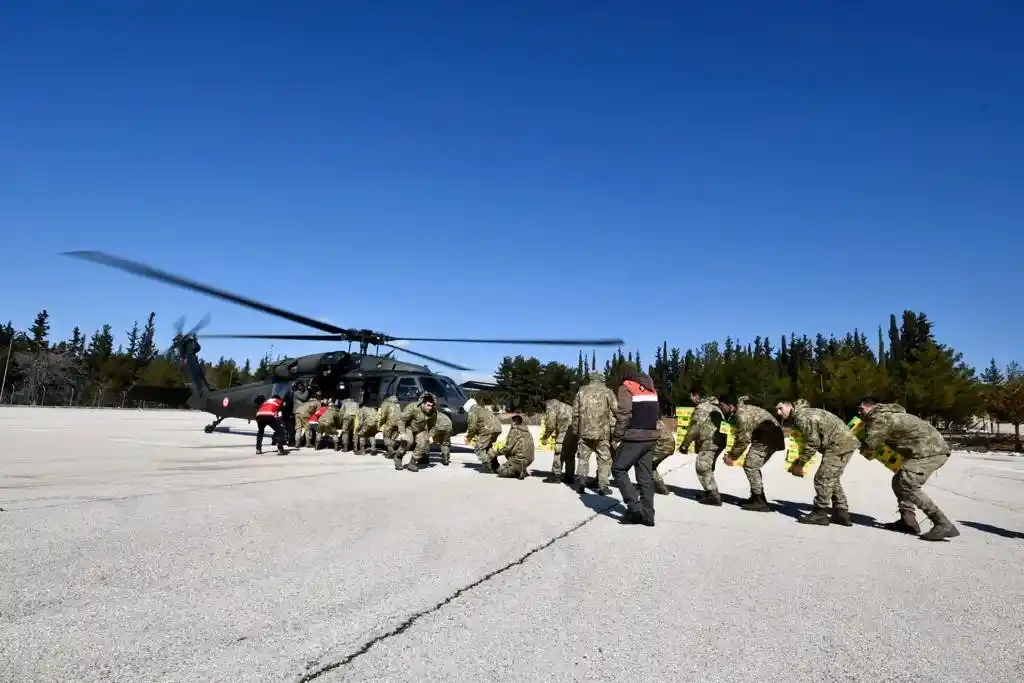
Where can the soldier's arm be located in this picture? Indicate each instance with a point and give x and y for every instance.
(811, 432)
(743, 434)
(576, 412)
(471, 424)
(697, 419)
(876, 432)
(550, 418)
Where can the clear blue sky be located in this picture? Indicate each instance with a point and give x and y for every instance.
(519, 168)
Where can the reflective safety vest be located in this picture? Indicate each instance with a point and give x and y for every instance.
(315, 417)
(270, 408)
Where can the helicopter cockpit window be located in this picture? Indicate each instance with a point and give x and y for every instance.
(442, 390)
(407, 389)
(282, 389)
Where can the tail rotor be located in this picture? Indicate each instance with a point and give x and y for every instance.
(183, 340)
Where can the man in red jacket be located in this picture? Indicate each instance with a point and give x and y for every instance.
(636, 434)
(269, 415)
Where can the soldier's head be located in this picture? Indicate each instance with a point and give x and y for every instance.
(596, 377)
(427, 402)
(783, 409)
(696, 392)
(517, 420)
(867, 404)
(728, 403)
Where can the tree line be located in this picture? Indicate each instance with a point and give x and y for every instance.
(905, 364)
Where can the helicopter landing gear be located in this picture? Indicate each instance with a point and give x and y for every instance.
(213, 425)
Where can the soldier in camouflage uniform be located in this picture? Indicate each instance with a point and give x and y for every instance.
(557, 418)
(366, 431)
(415, 425)
(593, 415)
(757, 428)
(663, 449)
(923, 450)
(349, 413)
(388, 419)
(825, 433)
(442, 436)
(328, 426)
(705, 434)
(303, 411)
(483, 428)
(518, 451)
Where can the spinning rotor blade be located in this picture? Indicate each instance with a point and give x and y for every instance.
(169, 278)
(203, 322)
(426, 357)
(348, 337)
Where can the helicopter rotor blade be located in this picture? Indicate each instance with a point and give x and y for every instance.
(203, 322)
(430, 358)
(143, 270)
(292, 337)
(539, 342)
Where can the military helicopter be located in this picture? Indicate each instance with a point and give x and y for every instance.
(336, 375)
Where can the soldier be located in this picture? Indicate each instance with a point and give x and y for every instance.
(704, 432)
(636, 433)
(757, 428)
(518, 451)
(328, 426)
(366, 431)
(663, 449)
(484, 428)
(557, 419)
(313, 424)
(442, 436)
(593, 414)
(416, 424)
(349, 412)
(923, 450)
(303, 411)
(269, 415)
(388, 418)
(825, 433)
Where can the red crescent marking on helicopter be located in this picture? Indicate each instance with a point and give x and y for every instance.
(225, 402)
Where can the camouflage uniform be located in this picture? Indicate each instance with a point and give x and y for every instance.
(593, 414)
(442, 436)
(924, 451)
(557, 419)
(366, 432)
(349, 413)
(303, 411)
(388, 422)
(663, 449)
(704, 432)
(757, 428)
(484, 428)
(415, 427)
(328, 426)
(518, 449)
(825, 433)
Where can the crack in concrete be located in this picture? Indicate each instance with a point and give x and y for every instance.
(405, 625)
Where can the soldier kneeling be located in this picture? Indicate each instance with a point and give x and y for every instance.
(518, 451)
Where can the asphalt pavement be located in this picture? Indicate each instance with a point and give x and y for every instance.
(137, 548)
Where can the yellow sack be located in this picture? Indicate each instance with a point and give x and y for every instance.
(883, 454)
(548, 443)
(683, 416)
(795, 449)
(730, 439)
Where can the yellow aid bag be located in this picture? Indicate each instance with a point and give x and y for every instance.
(795, 445)
(683, 416)
(883, 454)
(548, 443)
(730, 439)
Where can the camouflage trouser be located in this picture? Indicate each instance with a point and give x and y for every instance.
(828, 489)
(707, 457)
(907, 483)
(348, 428)
(444, 440)
(757, 456)
(658, 459)
(311, 431)
(420, 442)
(301, 424)
(483, 446)
(556, 463)
(366, 442)
(513, 468)
(390, 434)
(603, 449)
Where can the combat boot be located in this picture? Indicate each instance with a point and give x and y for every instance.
(711, 498)
(659, 487)
(523, 474)
(488, 466)
(907, 523)
(259, 450)
(604, 491)
(412, 466)
(942, 529)
(757, 503)
(580, 485)
(446, 458)
(841, 516)
(817, 516)
(397, 459)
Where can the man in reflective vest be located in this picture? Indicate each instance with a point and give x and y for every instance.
(269, 415)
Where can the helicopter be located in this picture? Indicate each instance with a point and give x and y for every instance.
(333, 375)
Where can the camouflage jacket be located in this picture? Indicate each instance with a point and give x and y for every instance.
(822, 431)
(367, 420)
(305, 409)
(705, 422)
(482, 421)
(519, 445)
(593, 409)
(666, 443)
(389, 413)
(891, 425)
(747, 419)
(557, 419)
(331, 419)
(444, 423)
(349, 408)
(415, 420)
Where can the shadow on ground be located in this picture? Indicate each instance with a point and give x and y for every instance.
(796, 510)
(988, 528)
(693, 494)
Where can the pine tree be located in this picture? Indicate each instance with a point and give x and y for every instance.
(133, 340)
(146, 349)
(40, 329)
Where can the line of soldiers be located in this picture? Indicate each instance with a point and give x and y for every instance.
(921, 446)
